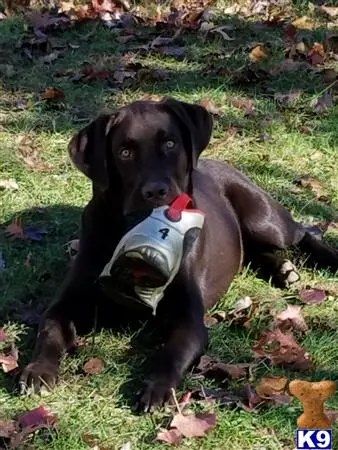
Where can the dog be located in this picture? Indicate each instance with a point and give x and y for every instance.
(141, 157)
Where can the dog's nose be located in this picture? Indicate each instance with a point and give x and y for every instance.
(155, 191)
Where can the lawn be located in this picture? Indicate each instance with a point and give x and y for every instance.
(274, 120)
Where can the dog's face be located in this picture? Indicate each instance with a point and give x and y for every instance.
(144, 152)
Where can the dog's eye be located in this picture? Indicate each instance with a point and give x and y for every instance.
(126, 153)
(170, 144)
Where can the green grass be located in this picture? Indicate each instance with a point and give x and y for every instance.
(100, 405)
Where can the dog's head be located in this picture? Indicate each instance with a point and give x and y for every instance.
(144, 152)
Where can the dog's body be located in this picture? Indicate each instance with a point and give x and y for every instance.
(144, 156)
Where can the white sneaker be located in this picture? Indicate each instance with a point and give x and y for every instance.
(149, 255)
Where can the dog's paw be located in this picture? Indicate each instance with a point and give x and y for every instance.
(38, 377)
(155, 393)
(288, 274)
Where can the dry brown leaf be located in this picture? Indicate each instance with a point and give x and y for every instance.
(210, 106)
(7, 429)
(312, 296)
(9, 361)
(251, 400)
(304, 23)
(94, 366)
(211, 367)
(15, 229)
(172, 436)
(292, 317)
(3, 335)
(268, 386)
(317, 54)
(52, 94)
(29, 153)
(331, 11)
(282, 350)
(194, 425)
(259, 53)
(315, 186)
(246, 104)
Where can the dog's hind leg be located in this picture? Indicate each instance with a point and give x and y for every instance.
(267, 226)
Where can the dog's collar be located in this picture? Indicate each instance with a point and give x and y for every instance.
(149, 255)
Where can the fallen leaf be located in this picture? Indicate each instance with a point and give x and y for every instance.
(282, 350)
(317, 54)
(185, 400)
(315, 186)
(29, 153)
(90, 73)
(94, 366)
(312, 296)
(251, 400)
(7, 429)
(172, 436)
(287, 99)
(213, 368)
(3, 335)
(35, 233)
(292, 317)
(210, 106)
(243, 304)
(268, 386)
(246, 104)
(35, 417)
(331, 11)
(323, 103)
(45, 21)
(9, 184)
(15, 229)
(9, 361)
(304, 23)
(52, 94)
(210, 396)
(194, 425)
(306, 129)
(209, 320)
(259, 53)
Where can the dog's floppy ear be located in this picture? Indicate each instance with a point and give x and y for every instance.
(87, 149)
(197, 124)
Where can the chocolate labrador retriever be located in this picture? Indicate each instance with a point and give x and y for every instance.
(140, 157)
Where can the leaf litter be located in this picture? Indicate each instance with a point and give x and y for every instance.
(16, 230)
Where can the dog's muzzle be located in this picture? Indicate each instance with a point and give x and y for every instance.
(149, 255)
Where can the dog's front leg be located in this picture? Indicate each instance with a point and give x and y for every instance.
(56, 335)
(187, 342)
(74, 306)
